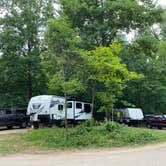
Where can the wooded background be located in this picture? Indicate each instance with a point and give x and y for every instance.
(80, 48)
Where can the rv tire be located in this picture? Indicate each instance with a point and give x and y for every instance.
(9, 127)
(159, 127)
(50, 125)
(35, 125)
(149, 126)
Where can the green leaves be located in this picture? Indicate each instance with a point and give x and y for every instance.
(62, 43)
(145, 55)
(60, 36)
(104, 68)
(20, 45)
(73, 87)
(78, 58)
(100, 22)
(107, 66)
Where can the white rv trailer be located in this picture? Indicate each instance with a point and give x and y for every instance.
(130, 116)
(49, 109)
(133, 113)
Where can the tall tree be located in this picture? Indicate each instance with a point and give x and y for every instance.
(62, 43)
(21, 45)
(104, 68)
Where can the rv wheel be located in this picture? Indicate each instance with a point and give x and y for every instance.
(159, 127)
(9, 127)
(35, 125)
(149, 126)
(49, 125)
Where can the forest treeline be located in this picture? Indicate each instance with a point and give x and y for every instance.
(80, 48)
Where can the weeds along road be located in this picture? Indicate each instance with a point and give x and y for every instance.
(153, 155)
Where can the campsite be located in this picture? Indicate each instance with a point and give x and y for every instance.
(79, 76)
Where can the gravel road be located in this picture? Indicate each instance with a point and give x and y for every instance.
(11, 131)
(154, 155)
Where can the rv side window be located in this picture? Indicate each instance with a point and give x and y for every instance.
(69, 105)
(36, 106)
(60, 107)
(87, 108)
(79, 105)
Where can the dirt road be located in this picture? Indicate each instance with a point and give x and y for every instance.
(11, 131)
(148, 156)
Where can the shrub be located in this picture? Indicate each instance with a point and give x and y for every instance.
(89, 123)
(136, 137)
(112, 126)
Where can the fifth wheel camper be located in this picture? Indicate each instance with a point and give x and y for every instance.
(49, 109)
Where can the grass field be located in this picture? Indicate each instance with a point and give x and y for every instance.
(104, 136)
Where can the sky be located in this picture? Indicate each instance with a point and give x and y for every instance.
(162, 2)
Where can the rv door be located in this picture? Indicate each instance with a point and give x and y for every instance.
(70, 109)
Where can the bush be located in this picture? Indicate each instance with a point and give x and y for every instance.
(134, 136)
(112, 126)
(89, 123)
(139, 138)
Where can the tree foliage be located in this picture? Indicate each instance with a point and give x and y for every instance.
(100, 22)
(104, 68)
(75, 56)
(147, 54)
(62, 43)
(20, 47)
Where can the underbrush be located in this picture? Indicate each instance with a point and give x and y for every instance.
(108, 134)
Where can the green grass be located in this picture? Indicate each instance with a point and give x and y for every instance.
(106, 135)
(103, 136)
(12, 143)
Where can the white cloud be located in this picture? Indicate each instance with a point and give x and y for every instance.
(162, 2)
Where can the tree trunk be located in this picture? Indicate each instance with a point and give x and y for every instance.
(107, 114)
(93, 102)
(112, 112)
(29, 80)
(66, 124)
(65, 94)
